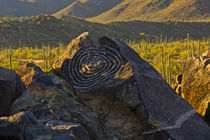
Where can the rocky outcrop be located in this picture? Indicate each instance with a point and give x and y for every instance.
(11, 87)
(165, 108)
(28, 72)
(24, 125)
(49, 97)
(195, 83)
(104, 86)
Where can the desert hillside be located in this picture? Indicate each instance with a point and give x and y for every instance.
(109, 10)
(87, 8)
(157, 10)
(44, 29)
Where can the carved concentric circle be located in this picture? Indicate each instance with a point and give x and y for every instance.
(93, 65)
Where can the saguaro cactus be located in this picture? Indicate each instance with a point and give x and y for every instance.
(169, 70)
(10, 59)
(162, 63)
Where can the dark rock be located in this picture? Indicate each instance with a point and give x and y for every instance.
(57, 130)
(15, 125)
(49, 97)
(103, 81)
(28, 72)
(11, 87)
(103, 71)
(106, 87)
(165, 108)
(24, 125)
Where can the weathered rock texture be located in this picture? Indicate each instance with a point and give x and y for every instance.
(49, 97)
(11, 87)
(196, 83)
(28, 72)
(88, 60)
(24, 125)
(103, 85)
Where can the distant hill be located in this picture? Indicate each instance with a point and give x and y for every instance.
(157, 10)
(44, 29)
(18, 8)
(111, 10)
(87, 8)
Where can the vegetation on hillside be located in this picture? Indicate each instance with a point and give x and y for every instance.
(167, 56)
(157, 10)
(47, 30)
(87, 8)
(111, 10)
(44, 29)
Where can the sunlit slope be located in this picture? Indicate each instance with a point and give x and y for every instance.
(157, 10)
(44, 29)
(87, 8)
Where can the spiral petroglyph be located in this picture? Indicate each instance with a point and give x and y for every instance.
(92, 65)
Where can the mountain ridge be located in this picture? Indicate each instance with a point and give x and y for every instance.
(19, 8)
(105, 11)
(156, 10)
(90, 8)
(44, 29)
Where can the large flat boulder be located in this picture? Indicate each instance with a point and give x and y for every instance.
(11, 87)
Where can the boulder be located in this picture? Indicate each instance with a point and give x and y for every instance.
(24, 125)
(165, 108)
(28, 72)
(105, 72)
(195, 83)
(49, 97)
(11, 87)
(106, 87)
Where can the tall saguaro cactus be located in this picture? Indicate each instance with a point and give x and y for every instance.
(162, 63)
(169, 69)
(10, 59)
(188, 46)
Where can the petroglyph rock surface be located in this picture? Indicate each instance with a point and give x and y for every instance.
(100, 68)
(104, 85)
